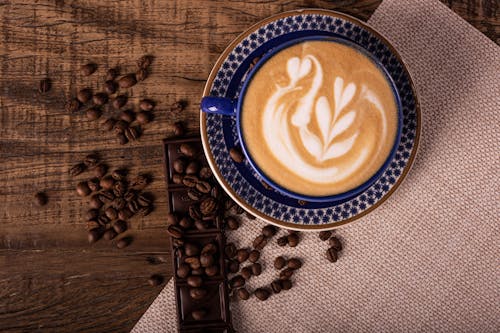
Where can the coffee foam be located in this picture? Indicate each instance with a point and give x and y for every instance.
(306, 118)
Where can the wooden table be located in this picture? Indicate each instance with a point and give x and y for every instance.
(51, 279)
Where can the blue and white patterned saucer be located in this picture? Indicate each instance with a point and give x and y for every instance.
(219, 133)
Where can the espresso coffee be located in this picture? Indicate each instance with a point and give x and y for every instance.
(319, 118)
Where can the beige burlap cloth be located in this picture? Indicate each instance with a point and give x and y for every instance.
(428, 259)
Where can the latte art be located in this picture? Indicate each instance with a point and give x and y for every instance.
(319, 118)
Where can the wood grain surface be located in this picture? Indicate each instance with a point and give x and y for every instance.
(51, 279)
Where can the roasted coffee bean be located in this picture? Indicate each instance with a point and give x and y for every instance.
(119, 101)
(282, 241)
(276, 286)
(286, 284)
(72, 105)
(208, 206)
(254, 256)
(204, 187)
(243, 294)
(230, 250)
(132, 133)
(206, 260)
(236, 154)
(269, 231)
(100, 170)
(293, 240)
(129, 195)
(294, 263)
(44, 85)
(256, 269)
(194, 212)
(125, 214)
(95, 202)
(331, 254)
(111, 74)
(212, 270)
(127, 115)
(111, 213)
(124, 242)
(183, 270)
(242, 255)
(84, 95)
(106, 196)
(119, 188)
(228, 204)
(205, 173)
(155, 280)
(259, 242)
(239, 210)
(93, 184)
(246, 272)
(201, 225)
(140, 182)
(143, 117)
(109, 234)
(215, 192)
(279, 262)
(127, 81)
(187, 149)
(92, 224)
(107, 182)
(194, 194)
(232, 223)
(119, 174)
(335, 243)
(145, 61)
(88, 69)
(94, 235)
(198, 271)
(233, 266)
(262, 293)
(286, 273)
(179, 165)
(178, 129)
(91, 214)
(146, 105)
(82, 189)
(108, 124)
(121, 138)
(324, 235)
(119, 203)
(199, 314)
(198, 293)
(110, 87)
(192, 168)
(103, 220)
(77, 169)
(120, 226)
(177, 178)
(93, 113)
(100, 99)
(209, 248)
(186, 222)
(194, 262)
(145, 211)
(40, 199)
(144, 200)
(191, 249)
(194, 281)
(172, 219)
(237, 281)
(91, 160)
(133, 206)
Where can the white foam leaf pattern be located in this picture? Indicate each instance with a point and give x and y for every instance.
(323, 116)
(342, 124)
(297, 69)
(340, 148)
(311, 142)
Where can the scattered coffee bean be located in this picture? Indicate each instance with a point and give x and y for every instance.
(108, 124)
(230, 250)
(94, 235)
(95, 202)
(269, 231)
(246, 272)
(119, 101)
(100, 170)
(198, 293)
(206, 260)
(103, 220)
(286, 284)
(119, 203)
(127, 115)
(293, 240)
(91, 214)
(119, 174)
(41, 199)
(172, 219)
(237, 281)
(256, 269)
(145, 211)
(183, 270)
(109, 234)
(155, 280)
(194, 212)
(143, 117)
(262, 293)
(82, 189)
(77, 169)
(294, 263)
(93, 113)
(194, 262)
(243, 294)
(201, 225)
(179, 106)
(84, 95)
(259, 242)
(111, 74)
(93, 184)
(91, 160)
(282, 241)
(205, 173)
(198, 271)
(203, 187)
(232, 223)
(88, 69)
(194, 194)
(125, 214)
(122, 139)
(100, 99)
(194, 281)
(179, 165)
(331, 254)
(124, 242)
(187, 149)
(215, 192)
(276, 286)
(335, 244)
(179, 129)
(140, 182)
(324, 235)
(242, 255)
(212, 270)
(127, 81)
(72, 105)
(286, 273)
(120, 226)
(233, 266)
(192, 168)
(119, 188)
(254, 256)
(44, 85)
(146, 105)
(110, 87)
(208, 206)
(199, 314)
(107, 182)
(209, 248)
(133, 206)
(236, 154)
(279, 262)
(144, 200)
(191, 249)
(132, 133)
(92, 224)
(111, 213)
(145, 61)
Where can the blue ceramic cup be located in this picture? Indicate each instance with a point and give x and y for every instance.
(234, 107)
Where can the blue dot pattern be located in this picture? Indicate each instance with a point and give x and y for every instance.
(222, 133)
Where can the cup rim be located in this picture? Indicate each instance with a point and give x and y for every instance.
(334, 197)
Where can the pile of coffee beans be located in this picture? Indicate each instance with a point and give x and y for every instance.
(332, 253)
(113, 199)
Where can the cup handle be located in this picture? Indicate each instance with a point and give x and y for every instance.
(218, 105)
